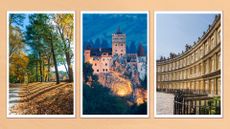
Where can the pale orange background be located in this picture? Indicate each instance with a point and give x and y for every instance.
(113, 5)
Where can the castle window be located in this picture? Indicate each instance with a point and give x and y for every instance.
(95, 64)
(106, 64)
(122, 44)
(97, 70)
(103, 70)
(116, 44)
(106, 69)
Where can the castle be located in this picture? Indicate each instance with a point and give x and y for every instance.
(101, 58)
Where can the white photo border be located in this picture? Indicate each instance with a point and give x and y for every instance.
(155, 72)
(81, 67)
(10, 116)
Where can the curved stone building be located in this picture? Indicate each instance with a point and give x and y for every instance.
(198, 68)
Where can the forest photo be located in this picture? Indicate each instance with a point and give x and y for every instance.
(115, 64)
(40, 63)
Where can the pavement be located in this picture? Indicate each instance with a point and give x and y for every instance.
(164, 103)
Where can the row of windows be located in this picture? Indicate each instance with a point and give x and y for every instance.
(119, 44)
(212, 86)
(203, 50)
(208, 66)
(104, 70)
(121, 50)
(119, 40)
(95, 64)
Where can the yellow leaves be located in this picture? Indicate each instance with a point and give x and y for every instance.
(65, 24)
(15, 40)
(18, 64)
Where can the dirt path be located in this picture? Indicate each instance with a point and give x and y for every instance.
(22, 94)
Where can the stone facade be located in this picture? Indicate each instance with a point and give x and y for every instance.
(102, 58)
(118, 43)
(198, 69)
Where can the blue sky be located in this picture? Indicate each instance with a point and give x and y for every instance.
(176, 30)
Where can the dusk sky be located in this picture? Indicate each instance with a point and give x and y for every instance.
(176, 30)
(102, 26)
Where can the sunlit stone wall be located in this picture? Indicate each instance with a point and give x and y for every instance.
(198, 69)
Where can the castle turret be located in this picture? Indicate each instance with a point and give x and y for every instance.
(118, 43)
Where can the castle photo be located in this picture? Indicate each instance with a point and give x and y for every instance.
(115, 69)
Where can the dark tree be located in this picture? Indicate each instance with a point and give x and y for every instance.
(104, 43)
(97, 43)
(141, 50)
(132, 47)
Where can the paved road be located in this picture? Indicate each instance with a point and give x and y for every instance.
(13, 97)
(164, 103)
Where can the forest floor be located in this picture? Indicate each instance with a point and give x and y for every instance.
(41, 98)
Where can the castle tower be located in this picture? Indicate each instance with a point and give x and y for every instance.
(118, 43)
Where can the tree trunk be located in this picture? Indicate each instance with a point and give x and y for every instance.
(40, 67)
(48, 77)
(43, 70)
(70, 70)
(67, 54)
(36, 71)
(66, 69)
(54, 59)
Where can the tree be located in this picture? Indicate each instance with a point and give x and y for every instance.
(133, 47)
(64, 25)
(16, 19)
(104, 43)
(97, 43)
(18, 67)
(141, 50)
(42, 38)
(15, 40)
(18, 60)
(99, 100)
(88, 73)
(15, 35)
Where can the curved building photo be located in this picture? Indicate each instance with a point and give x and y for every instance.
(188, 64)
